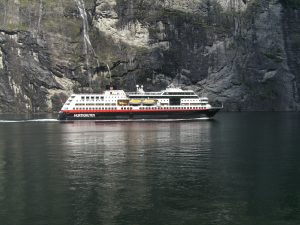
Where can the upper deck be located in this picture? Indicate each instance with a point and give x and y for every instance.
(168, 97)
(168, 92)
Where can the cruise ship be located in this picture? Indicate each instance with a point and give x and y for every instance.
(171, 103)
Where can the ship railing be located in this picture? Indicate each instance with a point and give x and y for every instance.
(143, 94)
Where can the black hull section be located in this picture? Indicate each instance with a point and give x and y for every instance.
(195, 114)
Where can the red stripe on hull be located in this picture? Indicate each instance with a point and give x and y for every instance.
(132, 111)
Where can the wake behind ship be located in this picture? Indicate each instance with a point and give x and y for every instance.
(171, 103)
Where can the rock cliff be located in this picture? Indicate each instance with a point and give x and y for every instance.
(244, 53)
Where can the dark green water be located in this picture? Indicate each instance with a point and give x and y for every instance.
(241, 168)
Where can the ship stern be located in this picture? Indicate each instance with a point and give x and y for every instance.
(61, 115)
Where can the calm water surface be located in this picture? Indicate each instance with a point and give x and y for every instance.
(241, 168)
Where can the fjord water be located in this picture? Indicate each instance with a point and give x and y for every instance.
(240, 168)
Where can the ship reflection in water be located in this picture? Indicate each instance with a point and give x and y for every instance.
(129, 168)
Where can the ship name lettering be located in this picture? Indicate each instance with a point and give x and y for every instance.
(84, 115)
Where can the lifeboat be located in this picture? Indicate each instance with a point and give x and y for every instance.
(123, 102)
(149, 102)
(135, 102)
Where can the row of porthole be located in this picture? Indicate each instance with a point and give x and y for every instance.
(130, 108)
(88, 108)
(102, 101)
(189, 100)
(172, 108)
(92, 98)
(126, 108)
(101, 108)
(94, 104)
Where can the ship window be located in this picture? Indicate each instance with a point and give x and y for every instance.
(92, 98)
(97, 98)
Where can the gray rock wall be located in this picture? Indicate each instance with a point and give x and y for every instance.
(244, 53)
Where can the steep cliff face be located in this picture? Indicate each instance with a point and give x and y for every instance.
(244, 53)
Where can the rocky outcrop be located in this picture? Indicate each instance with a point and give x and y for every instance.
(244, 53)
